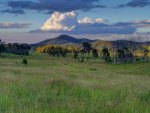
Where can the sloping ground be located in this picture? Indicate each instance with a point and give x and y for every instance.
(63, 39)
(51, 85)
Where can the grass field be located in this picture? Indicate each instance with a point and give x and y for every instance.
(57, 85)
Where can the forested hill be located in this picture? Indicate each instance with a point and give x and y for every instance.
(66, 40)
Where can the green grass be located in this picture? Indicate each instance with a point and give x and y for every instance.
(57, 85)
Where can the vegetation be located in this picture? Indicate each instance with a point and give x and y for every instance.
(52, 82)
(119, 51)
(106, 55)
(25, 61)
(51, 85)
(2, 47)
(15, 48)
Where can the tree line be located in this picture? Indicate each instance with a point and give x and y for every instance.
(14, 48)
(116, 54)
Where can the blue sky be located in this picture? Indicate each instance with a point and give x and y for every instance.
(101, 17)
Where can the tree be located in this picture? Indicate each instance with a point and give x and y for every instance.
(18, 49)
(106, 55)
(82, 55)
(87, 47)
(75, 55)
(95, 54)
(128, 56)
(2, 47)
(120, 55)
(146, 51)
(64, 52)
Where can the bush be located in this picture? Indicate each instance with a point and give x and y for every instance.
(108, 59)
(25, 61)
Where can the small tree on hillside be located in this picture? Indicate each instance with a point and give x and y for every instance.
(106, 55)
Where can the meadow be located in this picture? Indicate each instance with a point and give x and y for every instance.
(62, 85)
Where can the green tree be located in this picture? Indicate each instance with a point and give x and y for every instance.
(87, 47)
(2, 47)
(106, 55)
(94, 52)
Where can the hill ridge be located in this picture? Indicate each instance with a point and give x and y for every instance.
(63, 39)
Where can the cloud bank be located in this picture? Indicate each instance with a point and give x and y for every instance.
(68, 23)
(136, 3)
(13, 11)
(51, 6)
(14, 25)
(55, 5)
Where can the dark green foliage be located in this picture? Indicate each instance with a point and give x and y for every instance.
(64, 52)
(18, 49)
(105, 52)
(75, 55)
(82, 56)
(25, 61)
(87, 47)
(57, 51)
(106, 55)
(95, 54)
(86, 50)
(121, 54)
(124, 55)
(2, 46)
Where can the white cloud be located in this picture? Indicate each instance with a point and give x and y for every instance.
(68, 23)
(60, 22)
(87, 20)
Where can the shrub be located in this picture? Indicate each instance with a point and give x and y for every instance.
(25, 61)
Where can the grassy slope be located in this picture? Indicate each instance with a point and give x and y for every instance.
(49, 85)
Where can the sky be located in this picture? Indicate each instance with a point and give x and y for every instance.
(31, 21)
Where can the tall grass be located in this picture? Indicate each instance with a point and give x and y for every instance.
(53, 85)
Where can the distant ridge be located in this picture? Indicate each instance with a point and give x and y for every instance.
(63, 39)
(66, 39)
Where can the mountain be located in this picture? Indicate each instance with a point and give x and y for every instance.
(63, 39)
(66, 40)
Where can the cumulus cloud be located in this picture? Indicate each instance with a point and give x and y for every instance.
(87, 20)
(136, 3)
(68, 23)
(60, 22)
(11, 25)
(55, 5)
